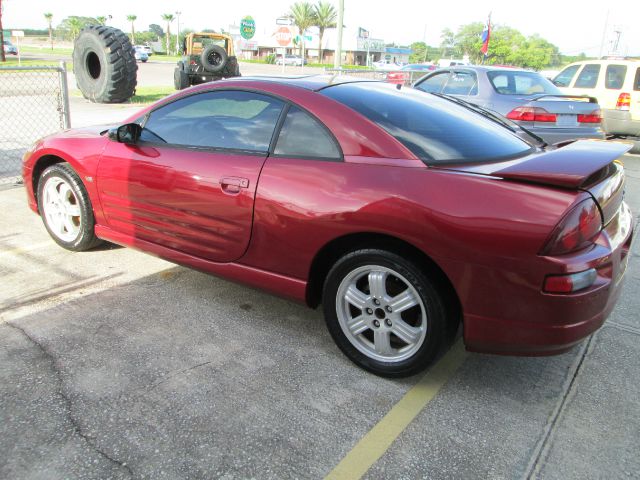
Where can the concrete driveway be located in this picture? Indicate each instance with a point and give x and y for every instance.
(116, 364)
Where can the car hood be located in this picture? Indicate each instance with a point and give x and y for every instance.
(568, 166)
(84, 132)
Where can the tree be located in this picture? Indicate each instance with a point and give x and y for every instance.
(325, 17)
(168, 17)
(49, 18)
(303, 16)
(132, 18)
(70, 27)
(447, 42)
(157, 30)
(102, 20)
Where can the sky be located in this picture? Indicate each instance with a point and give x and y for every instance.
(574, 26)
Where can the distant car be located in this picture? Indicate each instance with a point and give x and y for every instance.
(384, 65)
(407, 74)
(141, 55)
(9, 48)
(616, 84)
(451, 62)
(295, 60)
(525, 97)
(145, 48)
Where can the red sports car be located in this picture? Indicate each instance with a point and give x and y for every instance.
(401, 212)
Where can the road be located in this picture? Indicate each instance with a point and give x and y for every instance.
(119, 365)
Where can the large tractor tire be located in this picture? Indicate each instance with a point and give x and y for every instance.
(104, 64)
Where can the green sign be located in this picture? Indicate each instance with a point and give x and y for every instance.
(247, 27)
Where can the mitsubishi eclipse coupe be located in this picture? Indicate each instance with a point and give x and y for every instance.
(402, 213)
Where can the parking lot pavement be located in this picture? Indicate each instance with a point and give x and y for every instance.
(119, 365)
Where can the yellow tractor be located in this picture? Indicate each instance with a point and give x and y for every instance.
(206, 57)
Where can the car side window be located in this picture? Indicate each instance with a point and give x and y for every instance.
(588, 77)
(563, 79)
(434, 83)
(636, 81)
(230, 119)
(462, 83)
(614, 76)
(303, 136)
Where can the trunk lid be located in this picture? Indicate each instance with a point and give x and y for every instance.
(582, 165)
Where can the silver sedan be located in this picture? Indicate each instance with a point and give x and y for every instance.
(525, 97)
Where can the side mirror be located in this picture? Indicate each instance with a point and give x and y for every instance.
(128, 133)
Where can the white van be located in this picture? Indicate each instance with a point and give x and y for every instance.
(616, 85)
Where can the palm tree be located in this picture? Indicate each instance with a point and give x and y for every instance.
(75, 25)
(49, 18)
(132, 18)
(101, 20)
(168, 17)
(325, 17)
(303, 16)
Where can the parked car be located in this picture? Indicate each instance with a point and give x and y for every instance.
(9, 48)
(409, 73)
(616, 85)
(385, 65)
(141, 55)
(291, 60)
(452, 62)
(401, 212)
(145, 48)
(525, 97)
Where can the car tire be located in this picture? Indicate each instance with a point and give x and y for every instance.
(214, 58)
(180, 79)
(384, 313)
(65, 208)
(104, 64)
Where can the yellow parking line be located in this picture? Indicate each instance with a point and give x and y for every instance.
(25, 249)
(376, 442)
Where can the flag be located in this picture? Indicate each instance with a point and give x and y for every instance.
(486, 33)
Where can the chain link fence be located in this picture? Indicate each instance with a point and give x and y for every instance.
(397, 77)
(34, 102)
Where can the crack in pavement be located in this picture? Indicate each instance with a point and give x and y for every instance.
(176, 373)
(69, 406)
(544, 443)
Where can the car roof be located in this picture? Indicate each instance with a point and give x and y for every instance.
(487, 68)
(309, 82)
(608, 61)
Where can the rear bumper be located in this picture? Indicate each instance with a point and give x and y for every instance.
(618, 122)
(557, 135)
(548, 324)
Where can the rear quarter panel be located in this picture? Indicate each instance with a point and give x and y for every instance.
(483, 232)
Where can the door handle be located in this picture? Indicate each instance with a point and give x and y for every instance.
(233, 185)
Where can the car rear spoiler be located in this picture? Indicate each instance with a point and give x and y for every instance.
(568, 97)
(568, 167)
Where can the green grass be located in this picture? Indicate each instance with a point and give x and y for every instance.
(146, 95)
(13, 62)
(143, 96)
(46, 50)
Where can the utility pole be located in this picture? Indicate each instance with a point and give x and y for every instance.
(604, 34)
(337, 60)
(2, 58)
(178, 35)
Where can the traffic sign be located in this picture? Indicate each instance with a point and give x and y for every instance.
(283, 36)
(247, 27)
(17, 33)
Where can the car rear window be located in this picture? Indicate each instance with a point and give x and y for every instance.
(434, 129)
(461, 83)
(521, 83)
(614, 77)
(636, 81)
(588, 77)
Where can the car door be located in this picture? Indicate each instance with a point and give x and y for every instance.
(189, 184)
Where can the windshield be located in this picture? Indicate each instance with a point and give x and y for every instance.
(521, 83)
(433, 128)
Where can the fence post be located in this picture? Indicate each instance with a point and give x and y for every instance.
(64, 91)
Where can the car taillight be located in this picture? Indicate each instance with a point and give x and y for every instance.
(531, 114)
(624, 102)
(593, 117)
(571, 282)
(576, 230)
